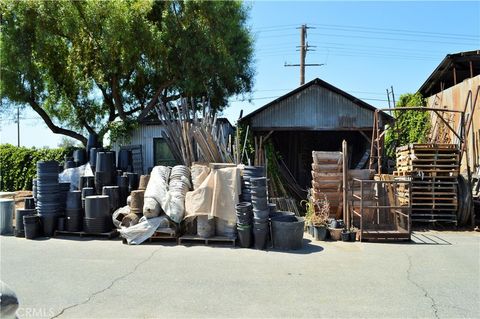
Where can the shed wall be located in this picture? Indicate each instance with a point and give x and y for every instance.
(314, 108)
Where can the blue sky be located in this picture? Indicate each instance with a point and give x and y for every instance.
(366, 48)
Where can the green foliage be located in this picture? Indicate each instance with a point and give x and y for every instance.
(120, 131)
(18, 165)
(410, 126)
(86, 63)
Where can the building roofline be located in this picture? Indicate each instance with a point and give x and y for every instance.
(319, 82)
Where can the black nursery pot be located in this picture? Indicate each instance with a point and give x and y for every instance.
(345, 236)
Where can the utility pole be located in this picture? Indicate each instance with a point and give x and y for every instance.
(303, 48)
(18, 126)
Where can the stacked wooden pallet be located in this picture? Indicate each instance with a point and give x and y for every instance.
(433, 170)
(327, 180)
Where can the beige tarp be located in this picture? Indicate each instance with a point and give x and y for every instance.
(216, 196)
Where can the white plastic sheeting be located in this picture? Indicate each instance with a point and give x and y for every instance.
(72, 175)
(142, 231)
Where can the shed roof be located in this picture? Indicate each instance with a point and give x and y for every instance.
(339, 99)
(444, 71)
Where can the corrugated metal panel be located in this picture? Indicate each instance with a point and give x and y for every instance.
(314, 108)
(144, 136)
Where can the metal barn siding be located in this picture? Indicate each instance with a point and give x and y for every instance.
(314, 108)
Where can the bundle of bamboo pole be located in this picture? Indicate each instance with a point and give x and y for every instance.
(191, 138)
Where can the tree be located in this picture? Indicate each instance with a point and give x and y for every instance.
(410, 126)
(82, 64)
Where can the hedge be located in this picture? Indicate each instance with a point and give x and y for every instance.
(18, 165)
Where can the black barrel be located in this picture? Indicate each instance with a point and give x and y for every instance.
(97, 206)
(80, 156)
(113, 193)
(124, 160)
(32, 226)
(29, 203)
(19, 214)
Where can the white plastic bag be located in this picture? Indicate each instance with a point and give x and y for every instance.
(140, 232)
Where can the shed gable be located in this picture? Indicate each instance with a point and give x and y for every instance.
(313, 108)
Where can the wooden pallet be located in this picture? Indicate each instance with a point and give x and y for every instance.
(109, 235)
(207, 241)
(162, 236)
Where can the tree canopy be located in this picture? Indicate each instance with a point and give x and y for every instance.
(410, 126)
(83, 64)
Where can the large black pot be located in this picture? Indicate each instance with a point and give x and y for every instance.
(97, 206)
(32, 226)
(288, 235)
(260, 235)
(245, 236)
(49, 224)
(19, 226)
(320, 232)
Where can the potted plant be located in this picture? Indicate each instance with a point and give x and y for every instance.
(319, 218)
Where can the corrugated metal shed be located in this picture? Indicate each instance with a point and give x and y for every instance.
(144, 135)
(317, 106)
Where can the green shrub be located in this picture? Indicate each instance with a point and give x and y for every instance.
(18, 165)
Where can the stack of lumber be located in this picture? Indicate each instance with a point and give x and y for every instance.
(327, 179)
(433, 170)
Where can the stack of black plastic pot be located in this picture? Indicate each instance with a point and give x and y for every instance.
(47, 191)
(244, 223)
(62, 201)
(80, 157)
(248, 173)
(261, 211)
(105, 172)
(97, 214)
(74, 211)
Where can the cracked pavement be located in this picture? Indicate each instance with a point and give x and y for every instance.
(436, 276)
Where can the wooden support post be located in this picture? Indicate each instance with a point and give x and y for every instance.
(346, 216)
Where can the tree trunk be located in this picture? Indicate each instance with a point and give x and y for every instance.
(54, 128)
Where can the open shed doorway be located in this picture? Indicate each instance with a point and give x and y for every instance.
(295, 148)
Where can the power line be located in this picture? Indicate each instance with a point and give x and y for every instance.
(388, 39)
(426, 33)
